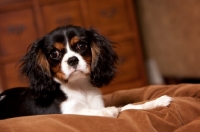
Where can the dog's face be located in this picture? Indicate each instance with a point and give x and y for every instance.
(69, 53)
(65, 54)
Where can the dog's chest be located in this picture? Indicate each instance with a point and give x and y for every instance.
(81, 98)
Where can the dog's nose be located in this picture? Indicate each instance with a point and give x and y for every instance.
(73, 61)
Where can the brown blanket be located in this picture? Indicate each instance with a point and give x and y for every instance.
(182, 115)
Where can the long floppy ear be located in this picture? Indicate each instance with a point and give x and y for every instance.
(104, 60)
(35, 67)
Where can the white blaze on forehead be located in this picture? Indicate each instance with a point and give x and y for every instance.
(66, 68)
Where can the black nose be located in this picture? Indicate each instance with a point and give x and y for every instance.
(73, 61)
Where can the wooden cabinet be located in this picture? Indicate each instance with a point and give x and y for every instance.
(61, 13)
(22, 22)
(111, 16)
(17, 32)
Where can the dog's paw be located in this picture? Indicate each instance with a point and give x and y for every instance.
(109, 112)
(161, 101)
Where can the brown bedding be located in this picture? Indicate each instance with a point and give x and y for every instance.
(182, 115)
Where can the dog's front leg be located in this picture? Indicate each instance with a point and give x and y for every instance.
(107, 112)
(161, 101)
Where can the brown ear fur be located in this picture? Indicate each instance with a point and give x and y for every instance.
(42, 62)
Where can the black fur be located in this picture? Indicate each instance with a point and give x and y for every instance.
(105, 68)
(21, 102)
(41, 82)
(44, 95)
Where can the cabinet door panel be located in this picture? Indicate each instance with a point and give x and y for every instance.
(60, 14)
(11, 77)
(109, 16)
(17, 31)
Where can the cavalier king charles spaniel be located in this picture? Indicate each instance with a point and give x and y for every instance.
(65, 68)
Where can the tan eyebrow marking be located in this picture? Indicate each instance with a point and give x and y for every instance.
(74, 40)
(59, 46)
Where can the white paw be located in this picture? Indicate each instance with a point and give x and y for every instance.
(163, 101)
(109, 112)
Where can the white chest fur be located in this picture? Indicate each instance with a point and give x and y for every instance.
(81, 95)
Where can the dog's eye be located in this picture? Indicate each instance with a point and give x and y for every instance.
(55, 55)
(81, 47)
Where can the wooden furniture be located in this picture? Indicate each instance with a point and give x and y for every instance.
(23, 21)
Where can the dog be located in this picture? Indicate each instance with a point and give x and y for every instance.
(65, 68)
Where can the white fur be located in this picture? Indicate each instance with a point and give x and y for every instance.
(2, 97)
(162, 101)
(84, 99)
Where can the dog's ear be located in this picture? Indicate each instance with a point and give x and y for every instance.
(35, 67)
(104, 59)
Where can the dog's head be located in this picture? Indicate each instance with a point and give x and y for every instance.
(65, 54)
